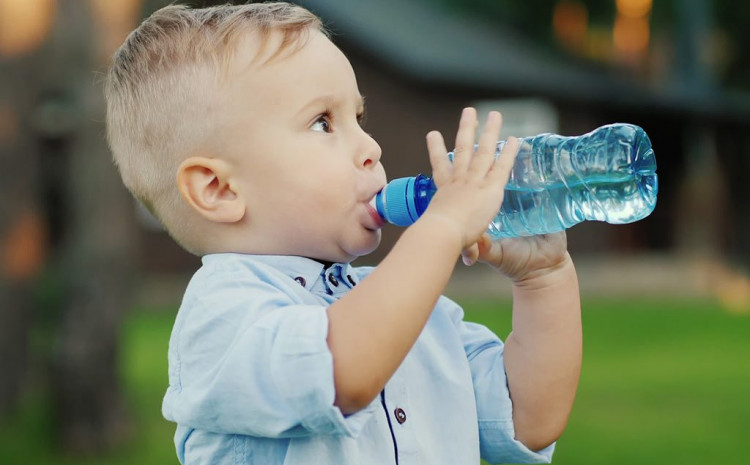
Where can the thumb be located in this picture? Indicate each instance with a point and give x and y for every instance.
(489, 251)
(485, 244)
(470, 254)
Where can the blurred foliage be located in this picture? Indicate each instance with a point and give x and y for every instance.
(732, 17)
(730, 41)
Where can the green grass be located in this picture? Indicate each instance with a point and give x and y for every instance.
(663, 382)
(27, 437)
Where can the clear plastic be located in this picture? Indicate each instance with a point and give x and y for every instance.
(607, 175)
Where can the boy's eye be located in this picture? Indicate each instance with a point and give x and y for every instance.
(322, 124)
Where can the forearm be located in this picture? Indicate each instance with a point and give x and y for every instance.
(372, 328)
(543, 354)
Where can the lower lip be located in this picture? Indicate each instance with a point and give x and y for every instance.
(376, 219)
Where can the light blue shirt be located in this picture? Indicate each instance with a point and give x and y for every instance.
(251, 377)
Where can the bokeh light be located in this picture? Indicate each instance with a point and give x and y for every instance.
(114, 20)
(24, 25)
(634, 8)
(631, 35)
(631, 32)
(570, 23)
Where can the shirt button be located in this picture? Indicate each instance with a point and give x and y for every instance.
(400, 415)
(332, 279)
(301, 280)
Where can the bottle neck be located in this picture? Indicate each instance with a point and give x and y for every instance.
(424, 190)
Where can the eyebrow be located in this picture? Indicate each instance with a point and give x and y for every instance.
(330, 101)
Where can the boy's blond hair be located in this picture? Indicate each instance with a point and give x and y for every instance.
(162, 83)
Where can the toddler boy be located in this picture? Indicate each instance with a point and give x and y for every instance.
(238, 127)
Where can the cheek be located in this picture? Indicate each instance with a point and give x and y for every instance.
(312, 206)
(324, 188)
(336, 184)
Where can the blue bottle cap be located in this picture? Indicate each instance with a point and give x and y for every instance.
(396, 202)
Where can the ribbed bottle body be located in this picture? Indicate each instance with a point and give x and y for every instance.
(556, 182)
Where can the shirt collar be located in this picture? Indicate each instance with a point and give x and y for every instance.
(305, 271)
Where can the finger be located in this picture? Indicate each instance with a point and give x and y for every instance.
(504, 163)
(484, 157)
(470, 254)
(491, 251)
(464, 150)
(485, 247)
(441, 165)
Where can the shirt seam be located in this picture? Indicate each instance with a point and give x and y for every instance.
(471, 355)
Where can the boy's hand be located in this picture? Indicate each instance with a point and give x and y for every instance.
(470, 189)
(523, 259)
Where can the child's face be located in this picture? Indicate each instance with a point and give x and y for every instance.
(305, 166)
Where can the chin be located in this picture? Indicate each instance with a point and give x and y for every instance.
(352, 249)
(366, 249)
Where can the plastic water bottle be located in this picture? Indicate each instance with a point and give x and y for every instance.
(607, 175)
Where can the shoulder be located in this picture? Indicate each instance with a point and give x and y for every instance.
(236, 274)
(240, 265)
(229, 294)
(233, 286)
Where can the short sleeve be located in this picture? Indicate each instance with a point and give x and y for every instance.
(246, 358)
(484, 350)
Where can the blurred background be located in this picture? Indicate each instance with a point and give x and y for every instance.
(90, 284)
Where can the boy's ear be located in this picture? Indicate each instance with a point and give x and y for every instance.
(206, 185)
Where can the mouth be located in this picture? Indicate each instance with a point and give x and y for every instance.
(376, 222)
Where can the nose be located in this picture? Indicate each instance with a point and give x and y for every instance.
(369, 151)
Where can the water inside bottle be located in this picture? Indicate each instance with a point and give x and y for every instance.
(613, 179)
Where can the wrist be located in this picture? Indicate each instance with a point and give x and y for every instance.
(442, 229)
(549, 276)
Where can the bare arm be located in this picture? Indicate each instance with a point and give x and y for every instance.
(372, 328)
(543, 354)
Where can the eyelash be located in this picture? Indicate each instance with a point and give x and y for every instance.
(327, 117)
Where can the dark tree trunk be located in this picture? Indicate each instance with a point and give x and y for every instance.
(21, 226)
(97, 252)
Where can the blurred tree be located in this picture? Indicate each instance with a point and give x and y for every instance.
(22, 225)
(733, 41)
(97, 254)
(56, 175)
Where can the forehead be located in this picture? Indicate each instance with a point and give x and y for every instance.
(254, 48)
(313, 65)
